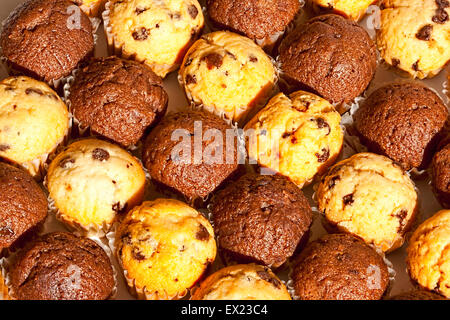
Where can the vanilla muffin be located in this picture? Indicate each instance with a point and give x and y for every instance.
(304, 128)
(414, 35)
(242, 282)
(92, 181)
(352, 9)
(91, 7)
(429, 254)
(370, 196)
(164, 247)
(33, 122)
(227, 74)
(155, 32)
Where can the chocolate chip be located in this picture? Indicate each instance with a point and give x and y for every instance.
(213, 60)
(441, 16)
(286, 135)
(34, 91)
(401, 216)
(425, 33)
(395, 62)
(323, 156)
(265, 275)
(137, 255)
(139, 10)
(116, 207)
(202, 233)
(126, 238)
(140, 34)
(348, 199)
(253, 58)
(191, 79)
(443, 3)
(193, 11)
(333, 181)
(321, 123)
(100, 154)
(415, 66)
(188, 62)
(66, 162)
(4, 147)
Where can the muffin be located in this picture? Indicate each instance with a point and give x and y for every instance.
(330, 56)
(417, 295)
(429, 254)
(298, 136)
(221, 64)
(340, 267)
(92, 181)
(92, 8)
(118, 99)
(33, 122)
(45, 40)
(23, 204)
(164, 247)
(369, 196)
(261, 218)
(403, 122)
(413, 36)
(352, 9)
(62, 266)
(180, 165)
(262, 21)
(440, 173)
(157, 33)
(242, 282)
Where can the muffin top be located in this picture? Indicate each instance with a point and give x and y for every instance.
(440, 170)
(255, 19)
(62, 266)
(331, 56)
(261, 218)
(118, 99)
(303, 128)
(417, 295)
(353, 9)
(23, 204)
(402, 121)
(242, 282)
(165, 246)
(370, 196)
(92, 181)
(41, 38)
(172, 157)
(340, 267)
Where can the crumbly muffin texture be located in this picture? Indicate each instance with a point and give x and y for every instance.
(242, 282)
(33, 119)
(440, 173)
(429, 254)
(156, 32)
(298, 136)
(353, 9)
(164, 247)
(92, 181)
(369, 196)
(219, 65)
(414, 35)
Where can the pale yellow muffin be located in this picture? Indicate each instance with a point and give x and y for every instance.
(369, 196)
(242, 282)
(353, 9)
(92, 181)
(227, 74)
(298, 136)
(164, 247)
(429, 254)
(91, 7)
(415, 36)
(156, 32)
(33, 121)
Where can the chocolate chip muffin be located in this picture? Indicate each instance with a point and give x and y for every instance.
(173, 157)
(329, 55)
(261, 21)
(261, 219)
(45, 39)
(417, 295)
(403, 122)
(340, 267)
(23, 204)
(62, 266)
(440, 173)
(352, 9)
(118, 99)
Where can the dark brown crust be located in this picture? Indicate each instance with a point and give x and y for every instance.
(23, 204)
(255, 19)
(402, 121)
(36, 39)
(329, 55)
(417, 295)
(118, 99)
(62, 266)
(440, 172)
(261, 219)
(340, 267)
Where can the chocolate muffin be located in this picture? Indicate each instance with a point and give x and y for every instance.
(172, 156)
(330, 56)
(118, 99)
(23, 204)
(261, 218)
(402, 121)
(417, 295)
(46, 39)
(62, 266)
(440, 173)
(340, 267)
